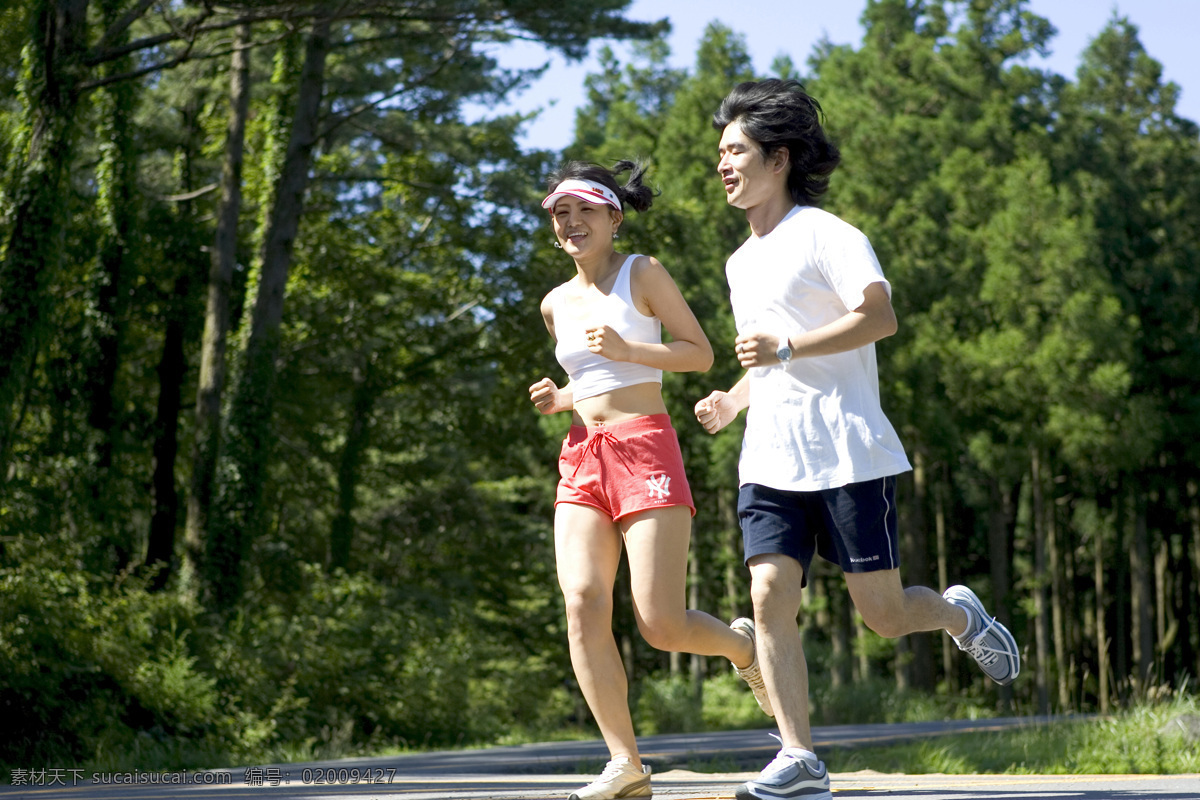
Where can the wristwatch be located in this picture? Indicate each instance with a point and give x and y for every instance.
(784, 353)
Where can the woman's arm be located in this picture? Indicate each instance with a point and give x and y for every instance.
(655, 294)
(545, 394)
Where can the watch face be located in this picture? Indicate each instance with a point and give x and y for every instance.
(784, 354)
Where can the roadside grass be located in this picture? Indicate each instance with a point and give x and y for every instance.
(1160, 738)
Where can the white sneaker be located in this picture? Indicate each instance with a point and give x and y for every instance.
(787, 777)
(986, 640)
(620, 778)
(752, 675)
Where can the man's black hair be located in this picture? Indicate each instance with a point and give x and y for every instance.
(777, 113)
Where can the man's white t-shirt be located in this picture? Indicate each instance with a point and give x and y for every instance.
(816, 422)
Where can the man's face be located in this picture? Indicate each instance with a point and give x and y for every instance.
(750, 179)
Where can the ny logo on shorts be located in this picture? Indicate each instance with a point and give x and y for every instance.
(659, 487)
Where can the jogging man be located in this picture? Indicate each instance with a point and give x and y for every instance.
(819, 459)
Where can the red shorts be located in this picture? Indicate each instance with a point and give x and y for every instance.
(624, 468)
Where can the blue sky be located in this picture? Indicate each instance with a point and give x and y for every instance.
(1167, 28)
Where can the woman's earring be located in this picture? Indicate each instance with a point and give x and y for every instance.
(558, 245)
(616, 234)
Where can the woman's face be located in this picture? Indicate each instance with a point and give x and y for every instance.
(582, 227)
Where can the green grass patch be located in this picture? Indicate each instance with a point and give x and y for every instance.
(1157, 739)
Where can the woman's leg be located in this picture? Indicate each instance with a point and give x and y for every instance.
(656, 542)
(587, 550)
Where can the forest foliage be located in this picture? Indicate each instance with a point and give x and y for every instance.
(270, 482)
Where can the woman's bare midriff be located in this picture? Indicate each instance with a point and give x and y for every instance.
(628, 402)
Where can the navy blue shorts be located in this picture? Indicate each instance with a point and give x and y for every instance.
(853, 526)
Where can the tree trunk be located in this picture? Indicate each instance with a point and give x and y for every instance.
(341, 535)
(172, 368)
(38, 199)
(206, 444)
(736, 578)
(1189, 568)
(902, 667)
(861, 632)
(109, 292)
(1040, 580)
(1062, 653)
(943, 568)
(833, 615)
(1163, 630)
(274, 144)
(1121, 603)
(624, 622)
(1102, 640)
(187, 253)
(1001, 515)
(107, 326)
(1142, 584)
(250, 441)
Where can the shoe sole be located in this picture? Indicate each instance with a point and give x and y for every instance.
(744, 792)
(801, 784)
(633, 790)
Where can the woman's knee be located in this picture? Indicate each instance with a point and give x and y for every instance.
(586, 605)
(664, 632)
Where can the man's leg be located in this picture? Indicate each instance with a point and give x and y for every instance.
(861, 518)
(891, 610)
(775, 589)
(795, 773)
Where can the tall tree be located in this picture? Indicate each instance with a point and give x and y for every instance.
(211, 382)
(250, 411)
(188, 264)
(52, 71)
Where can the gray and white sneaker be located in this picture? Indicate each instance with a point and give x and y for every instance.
(986, 640)
(620, 778)
(788, 776)
(752, 675)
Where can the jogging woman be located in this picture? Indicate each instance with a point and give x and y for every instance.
(622, 478)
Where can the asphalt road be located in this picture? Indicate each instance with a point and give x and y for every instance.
(551, 771)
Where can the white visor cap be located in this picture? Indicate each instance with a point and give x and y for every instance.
(590, 191)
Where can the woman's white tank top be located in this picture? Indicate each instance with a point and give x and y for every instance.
(593, 374)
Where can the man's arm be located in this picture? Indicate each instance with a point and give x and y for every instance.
(875, 319)
(721, 408)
